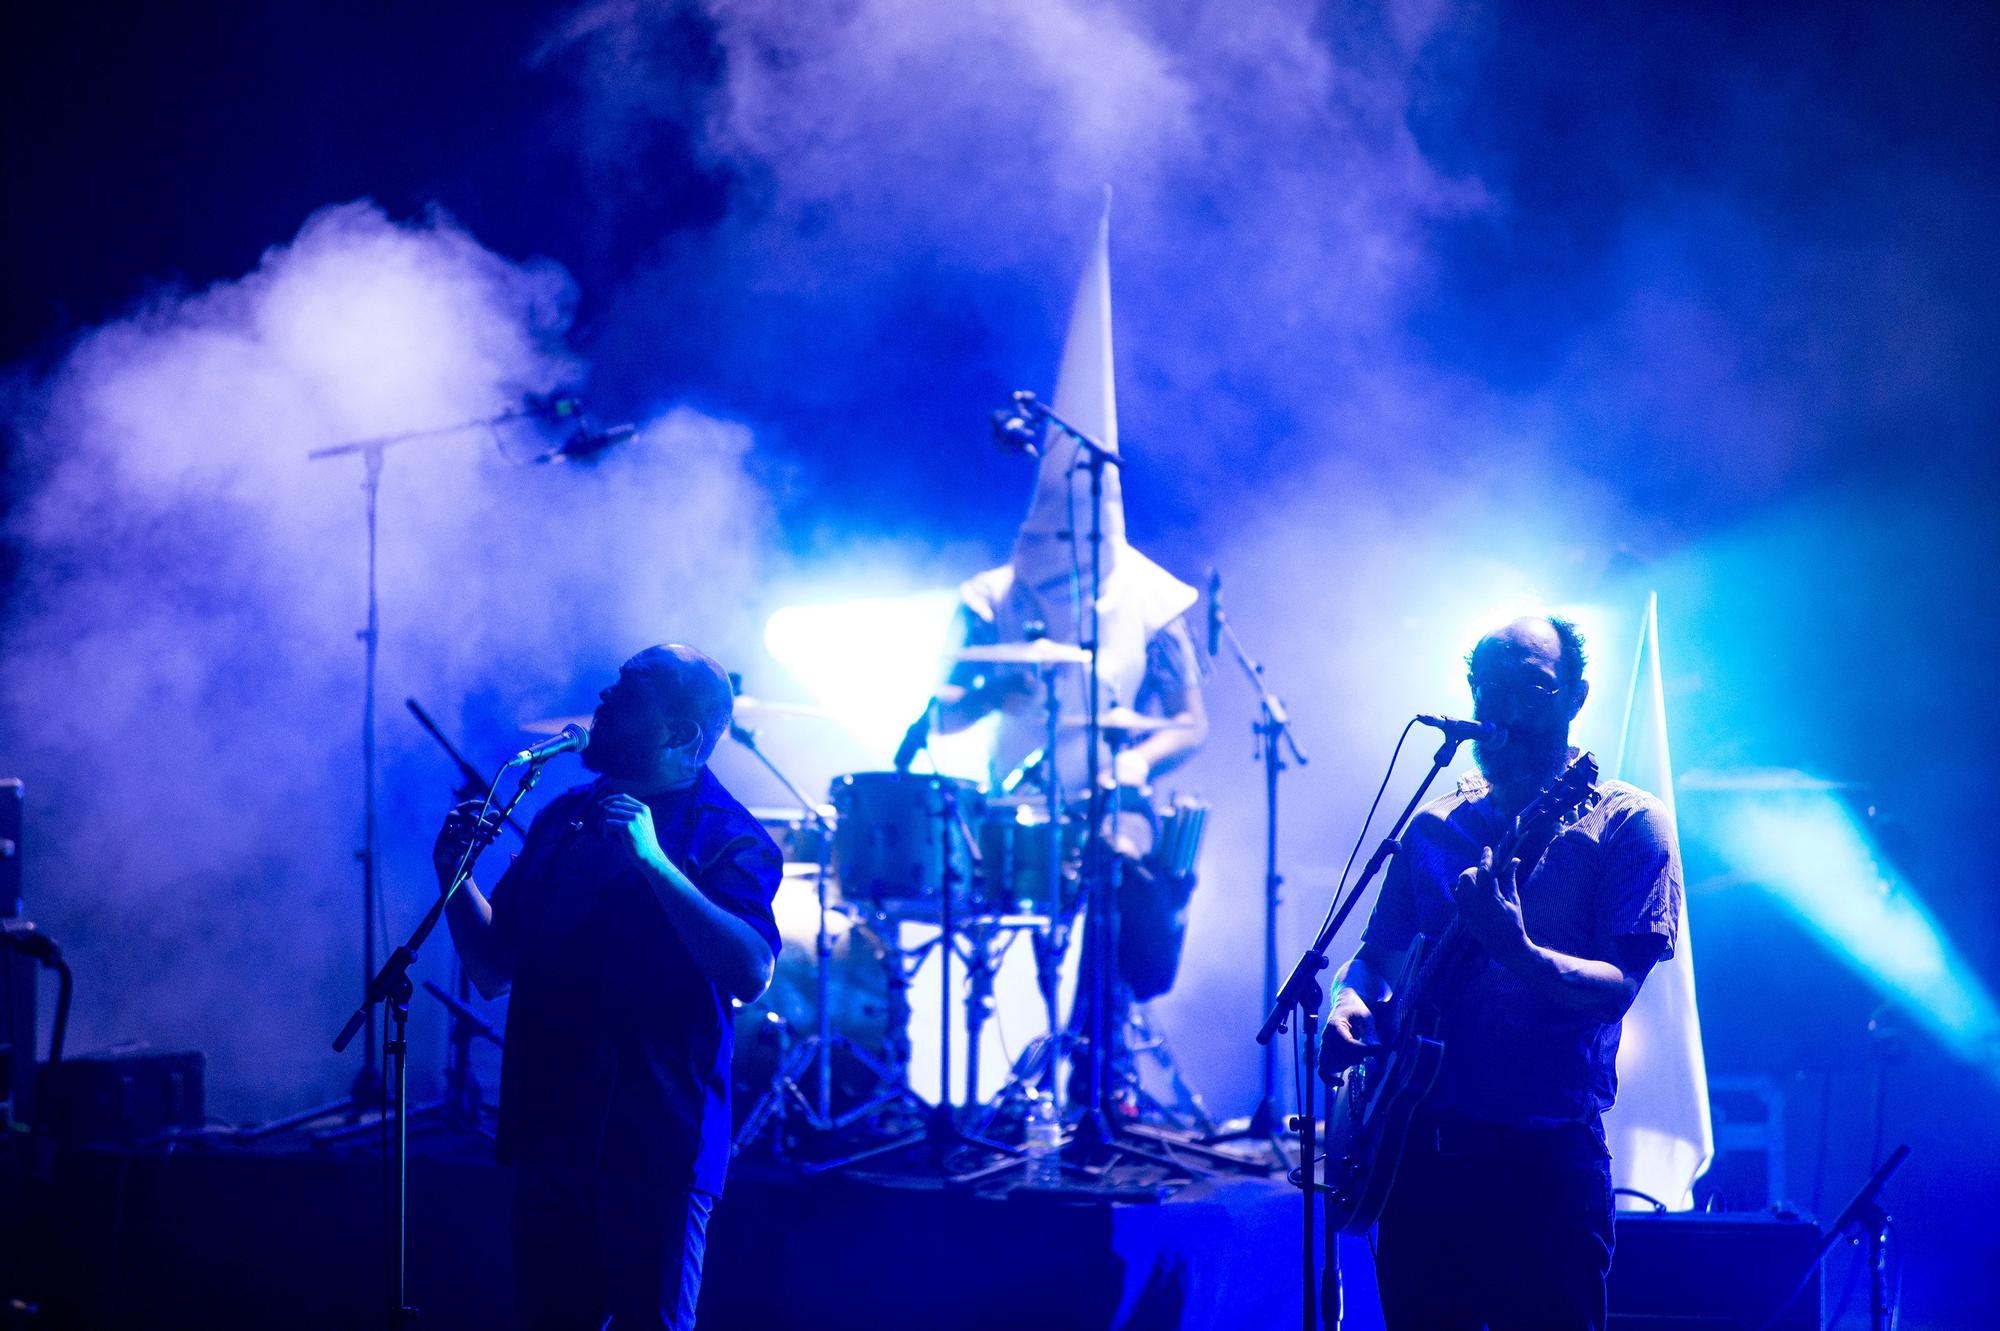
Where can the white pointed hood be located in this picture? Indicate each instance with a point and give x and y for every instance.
(1087, 398)
(1048, 575)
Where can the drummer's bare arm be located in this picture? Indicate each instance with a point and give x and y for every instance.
(1173, 678)
(971, 695)
(974, 689)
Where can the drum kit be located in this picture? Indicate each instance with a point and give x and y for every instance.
(898, 867)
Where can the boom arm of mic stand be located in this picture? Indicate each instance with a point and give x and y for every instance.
(472, 780)
(1302, 988)
(381, 442)
(1277, 721)
(748, 739)
(1035, 406)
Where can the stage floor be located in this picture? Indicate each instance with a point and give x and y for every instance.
(218, 1237)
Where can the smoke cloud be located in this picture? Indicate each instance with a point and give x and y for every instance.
(1349, 379)
(184, 688)
(918, 185)
(1295, 188)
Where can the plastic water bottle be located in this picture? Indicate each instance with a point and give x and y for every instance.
(1043, 1142)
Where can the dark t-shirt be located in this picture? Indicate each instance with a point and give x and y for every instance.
(1511, 1055)
(618, 1043)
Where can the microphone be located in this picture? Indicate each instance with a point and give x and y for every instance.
(556, 406)
(1214, 613)
(913, 740)
(1012, 432)
(571, 738)
(585, 442)
(1483, 731)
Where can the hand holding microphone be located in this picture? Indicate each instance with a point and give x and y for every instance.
(462, 826)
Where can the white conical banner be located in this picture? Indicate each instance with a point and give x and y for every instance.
(1659, 1130)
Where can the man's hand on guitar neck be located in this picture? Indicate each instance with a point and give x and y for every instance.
(1489, 902)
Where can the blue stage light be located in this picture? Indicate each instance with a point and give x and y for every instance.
(1796, 839)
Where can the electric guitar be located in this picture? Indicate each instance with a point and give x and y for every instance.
(1375, 1099)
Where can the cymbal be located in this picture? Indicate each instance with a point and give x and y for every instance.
(1040, 652)
(748, 709)
(1126, 721)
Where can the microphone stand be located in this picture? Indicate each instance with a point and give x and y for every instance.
(1273, 724)
(1098, 1136)
(391, 987)
(1302, 995)
(366, 1093)
(1863, 1221)
(463, 1104)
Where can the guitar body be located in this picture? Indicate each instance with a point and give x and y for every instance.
(1368, 1121)
(1369, 1118)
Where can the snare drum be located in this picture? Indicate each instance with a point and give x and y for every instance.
(898, 841)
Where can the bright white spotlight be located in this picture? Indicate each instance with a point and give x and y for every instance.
(874, 662)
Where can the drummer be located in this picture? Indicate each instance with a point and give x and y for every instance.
(1146, 658)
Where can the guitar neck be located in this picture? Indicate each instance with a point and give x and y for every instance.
(1456, 946)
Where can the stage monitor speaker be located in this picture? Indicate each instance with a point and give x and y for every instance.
(18, 974)
(17, 971)
(12, 800)
(122, 1098)
(13, 796)
(1709, 1272)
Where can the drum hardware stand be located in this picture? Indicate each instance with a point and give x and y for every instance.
(391, 987)
(1302, 995)
(1042, 1059)
(783, 1098)
(462, 1104)
(940, 1132)
(982, 961)
(1187, 1106)
(1274, 724)
(1053, 943)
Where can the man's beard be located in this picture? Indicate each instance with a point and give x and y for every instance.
(1528, 759)
(614, 755)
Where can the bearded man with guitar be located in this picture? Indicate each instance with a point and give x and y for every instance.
(1473, 1038)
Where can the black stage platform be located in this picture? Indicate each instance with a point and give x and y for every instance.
(218, 1237)
(215, 1237)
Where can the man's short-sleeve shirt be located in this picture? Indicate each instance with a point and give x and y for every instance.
(1512, 1055)
(618, 1043)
